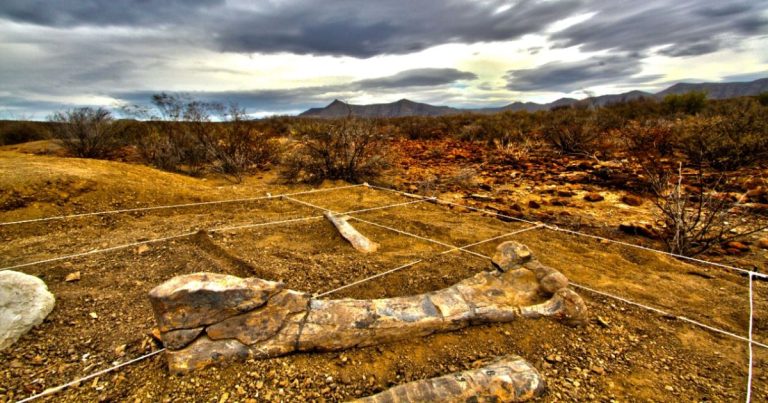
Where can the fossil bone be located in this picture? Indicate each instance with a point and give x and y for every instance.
(208, 318)
(507, 379)
(358, 240)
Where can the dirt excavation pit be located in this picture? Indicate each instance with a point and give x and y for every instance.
(623, 352)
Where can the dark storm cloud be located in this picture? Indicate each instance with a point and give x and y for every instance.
(416, 78)
(344, 27)
(304, 97)
(366, 29)
(61, 13)
(572, 76)
(689, 26)
(332, 27)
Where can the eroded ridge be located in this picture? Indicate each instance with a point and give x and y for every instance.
(506, 379)
(208, 318)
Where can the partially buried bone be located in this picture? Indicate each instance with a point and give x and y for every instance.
(358, 240)
(208, 318)
(507, 379)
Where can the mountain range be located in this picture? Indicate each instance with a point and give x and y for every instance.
(405, 107)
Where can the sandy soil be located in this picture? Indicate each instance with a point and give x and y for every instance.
(623, 353)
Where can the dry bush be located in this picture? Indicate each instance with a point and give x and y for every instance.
(693, 219)
(421, 127)
(190, 136)
(22, 131)
(86, 132)
(690, 103)
(239, 146)
(351, 149)
(571, 130)
(733, 135)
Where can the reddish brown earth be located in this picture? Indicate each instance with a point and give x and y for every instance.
(624, 353)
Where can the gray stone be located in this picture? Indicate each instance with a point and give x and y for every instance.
(24, 303)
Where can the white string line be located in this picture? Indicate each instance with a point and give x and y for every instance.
(56, 389)
(380, 225)
(409, 264)
(53, 390)
(59, 388)
(441, 201)
(750, 272)
(662, 312)
(186, 234)
(749, 371)
(170, 206)
(416, 236)
(665, 313)
(555, 228)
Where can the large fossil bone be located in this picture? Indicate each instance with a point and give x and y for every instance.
(507, 379)
(208, 318)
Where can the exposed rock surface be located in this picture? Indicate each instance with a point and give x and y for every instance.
(24, 303)
(508, 379)
(207, 319)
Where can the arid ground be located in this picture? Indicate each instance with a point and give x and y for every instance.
(624, 353)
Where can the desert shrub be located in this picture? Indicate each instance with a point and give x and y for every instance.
(571, 130)
(86, 132)
(190, 136)
(350, 149)
(693, 219)
(762, 98)
(649, 138)
(22, 131)
(690, 103)
(733, 135)
(420, 127)
(240, 146)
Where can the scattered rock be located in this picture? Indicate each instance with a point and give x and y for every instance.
(594, 197)
(565, 193)
(24, 303)
(756, 195)
(631, 200)
(533, 204)
(560, 201)
(142, 249)
(575, 177)
(735, 245)
(75, 276)
(481, 197)
(763, 243)
(643, 229)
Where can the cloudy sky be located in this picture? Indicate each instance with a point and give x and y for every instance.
(284, 56)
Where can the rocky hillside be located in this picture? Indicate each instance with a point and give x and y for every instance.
(406, 107)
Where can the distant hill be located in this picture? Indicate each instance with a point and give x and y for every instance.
(720, 90)
(402, 107)
(406, 107)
